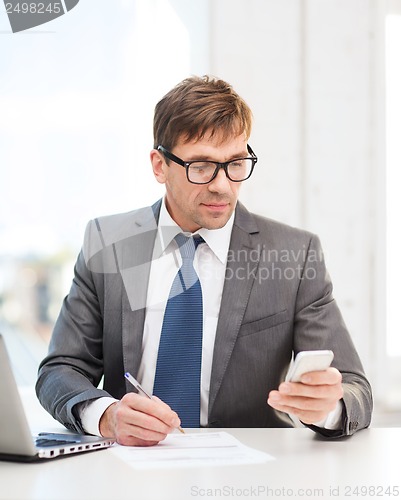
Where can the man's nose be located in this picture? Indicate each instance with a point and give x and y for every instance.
(221, 183)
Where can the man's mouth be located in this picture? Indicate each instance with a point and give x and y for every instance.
(215, 206)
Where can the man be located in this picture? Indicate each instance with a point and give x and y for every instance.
(215, 349)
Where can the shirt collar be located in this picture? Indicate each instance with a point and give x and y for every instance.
(218, 240)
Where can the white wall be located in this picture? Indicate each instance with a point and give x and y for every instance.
(310, 69)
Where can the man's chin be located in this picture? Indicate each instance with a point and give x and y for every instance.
(214, 222)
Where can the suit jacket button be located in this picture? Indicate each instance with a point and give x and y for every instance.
(353, 426)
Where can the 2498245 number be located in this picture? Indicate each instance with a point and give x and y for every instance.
(34, 8)
(371, 491)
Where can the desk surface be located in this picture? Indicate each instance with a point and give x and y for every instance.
(365, 465)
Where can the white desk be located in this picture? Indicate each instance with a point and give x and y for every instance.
(305, 466)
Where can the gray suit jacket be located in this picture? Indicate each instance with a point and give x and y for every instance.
(277, 299)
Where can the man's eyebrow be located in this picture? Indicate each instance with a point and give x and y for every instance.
(207, 158)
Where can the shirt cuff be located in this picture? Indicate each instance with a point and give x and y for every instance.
(333, 421)
(90, 414)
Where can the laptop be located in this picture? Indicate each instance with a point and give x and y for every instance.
(16, 440)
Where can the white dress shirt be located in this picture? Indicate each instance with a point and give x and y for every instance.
(210, 264)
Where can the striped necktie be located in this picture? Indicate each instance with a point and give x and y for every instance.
(178, 369)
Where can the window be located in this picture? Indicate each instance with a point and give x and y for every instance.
(76, 106)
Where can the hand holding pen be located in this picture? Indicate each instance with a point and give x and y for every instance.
(138, 421)
(142, 391)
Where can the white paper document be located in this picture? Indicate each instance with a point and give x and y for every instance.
(191, 450)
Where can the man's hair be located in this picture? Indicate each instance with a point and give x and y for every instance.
(197, 107)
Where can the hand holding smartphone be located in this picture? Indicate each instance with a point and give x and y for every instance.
(309, 361)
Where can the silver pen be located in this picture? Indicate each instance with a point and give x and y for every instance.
(142, 391)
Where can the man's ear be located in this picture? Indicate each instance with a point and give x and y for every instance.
(158, 165)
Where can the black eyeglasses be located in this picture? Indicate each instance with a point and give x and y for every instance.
(204, 171)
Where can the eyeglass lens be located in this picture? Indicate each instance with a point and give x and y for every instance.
(202, 171)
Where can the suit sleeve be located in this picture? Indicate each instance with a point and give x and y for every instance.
(73, 368)
(319, 325)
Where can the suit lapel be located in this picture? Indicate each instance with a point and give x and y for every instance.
(240, 273)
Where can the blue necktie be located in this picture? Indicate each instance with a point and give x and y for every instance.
(178, 369)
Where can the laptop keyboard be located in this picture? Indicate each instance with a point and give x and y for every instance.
(46, 442)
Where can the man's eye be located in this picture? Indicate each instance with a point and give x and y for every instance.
(202, 167)
(237, 164)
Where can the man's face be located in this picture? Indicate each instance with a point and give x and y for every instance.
(193, 206)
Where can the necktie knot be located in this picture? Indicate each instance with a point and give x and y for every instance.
(188, 245)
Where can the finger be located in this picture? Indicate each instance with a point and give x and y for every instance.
(331, 376)
(329, 392)
(297, 402)
(306, 416)
(145, 426)
(129, 440)
(169, 408)
(132, 441)
(155, 398)
(153, 407)
(311, 409)
(302, 403)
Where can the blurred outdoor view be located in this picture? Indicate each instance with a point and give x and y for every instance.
(75, 136)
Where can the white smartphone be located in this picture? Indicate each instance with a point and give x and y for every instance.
(309, 361)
